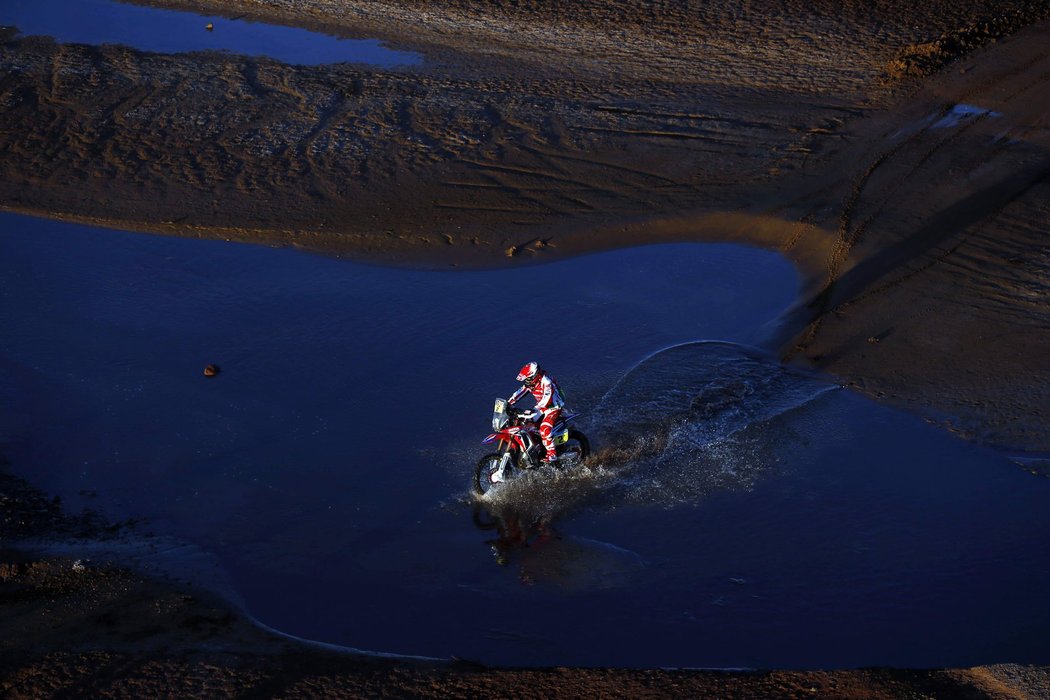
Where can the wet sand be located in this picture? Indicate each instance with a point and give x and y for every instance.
(539, 130)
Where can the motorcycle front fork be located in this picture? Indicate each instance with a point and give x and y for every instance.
(504, 463)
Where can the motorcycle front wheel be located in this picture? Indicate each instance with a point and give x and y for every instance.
(487, 465)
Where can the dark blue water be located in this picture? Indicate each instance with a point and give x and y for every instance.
(173, 31)
(739, 514)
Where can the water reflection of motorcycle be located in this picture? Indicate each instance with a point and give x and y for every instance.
(520, 447)
(526, 540)
(514, 531)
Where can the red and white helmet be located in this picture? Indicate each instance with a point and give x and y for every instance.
(530, 374)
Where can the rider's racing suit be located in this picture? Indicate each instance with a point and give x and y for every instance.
(549, 404)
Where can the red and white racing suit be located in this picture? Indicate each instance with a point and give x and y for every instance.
(549, 403)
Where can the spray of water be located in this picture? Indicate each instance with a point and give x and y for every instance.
(684, 422)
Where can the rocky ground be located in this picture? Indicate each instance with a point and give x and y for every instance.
(830, 131)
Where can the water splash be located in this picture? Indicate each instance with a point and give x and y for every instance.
(684, 422)
(699, 417)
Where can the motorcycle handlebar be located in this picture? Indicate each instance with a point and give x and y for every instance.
(515, 414)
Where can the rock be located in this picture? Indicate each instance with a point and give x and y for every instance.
(211, 370)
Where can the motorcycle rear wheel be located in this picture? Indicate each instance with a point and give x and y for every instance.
(483, 472)
(575, 450)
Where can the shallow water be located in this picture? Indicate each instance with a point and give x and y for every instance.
(738, 514)
(172, 31)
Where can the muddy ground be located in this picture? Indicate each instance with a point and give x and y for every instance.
(534, 130)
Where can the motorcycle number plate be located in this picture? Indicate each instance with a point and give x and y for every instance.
(562, 439)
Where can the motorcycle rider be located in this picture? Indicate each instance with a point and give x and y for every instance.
(549, 404)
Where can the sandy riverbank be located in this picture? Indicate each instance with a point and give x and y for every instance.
(825, 132)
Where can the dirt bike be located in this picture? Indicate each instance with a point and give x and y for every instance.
(520, 446)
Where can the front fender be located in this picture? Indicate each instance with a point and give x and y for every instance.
(511, 440)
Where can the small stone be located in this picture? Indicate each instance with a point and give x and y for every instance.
(209, 26)
(211, 370)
